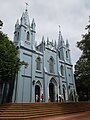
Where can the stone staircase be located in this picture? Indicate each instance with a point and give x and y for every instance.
(23, 111)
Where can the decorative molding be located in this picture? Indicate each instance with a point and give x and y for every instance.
(27, 54)
(26, 76)
(39, 77)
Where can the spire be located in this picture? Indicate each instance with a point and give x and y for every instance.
(26, 5)
(55, 44)
(60, 39)
(43, 44)
(59, 33)
(43, 40)
(35, 43)
(47, 40)
(52, 42)
(33, 22)
(17, 23)
(33, 25)
(25, 17)
(67, 44)
(26, 10)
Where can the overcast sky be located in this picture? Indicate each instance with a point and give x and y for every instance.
(71, 15)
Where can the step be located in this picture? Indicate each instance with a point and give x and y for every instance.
(33, 110)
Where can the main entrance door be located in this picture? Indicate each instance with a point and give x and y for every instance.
(37, 93)
(52, 92)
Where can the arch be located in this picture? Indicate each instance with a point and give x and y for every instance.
(39, 83)
(38, 63)
(53, 81)
(37, 93)
(51, 65)
(52, 92)
(52, 59)
(38, 90)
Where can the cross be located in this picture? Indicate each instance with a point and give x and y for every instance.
(26, 5)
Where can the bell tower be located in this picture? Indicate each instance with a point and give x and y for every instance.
(24, 34)
(24, 39)
(61, 46)
(68, 57)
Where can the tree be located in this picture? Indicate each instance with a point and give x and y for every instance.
(9, 65)
(82, 67)
(1, 24)
(9, 62)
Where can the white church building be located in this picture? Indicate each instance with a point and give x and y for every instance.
(48, 73)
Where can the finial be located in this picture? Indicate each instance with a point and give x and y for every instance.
(67, 44)
(35, 43)
(26, 5)
(59, 29)
(47, 40)
(17, 23)
(43, 39)
(55, 43)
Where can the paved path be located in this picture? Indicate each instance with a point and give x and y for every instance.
(75, 116)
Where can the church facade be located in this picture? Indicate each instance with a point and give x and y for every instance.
(48, 72)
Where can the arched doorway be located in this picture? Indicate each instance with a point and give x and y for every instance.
(52, 92)
(37, 93)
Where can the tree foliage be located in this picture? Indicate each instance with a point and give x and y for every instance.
(9, 62)
(82, 67)
(1, 24)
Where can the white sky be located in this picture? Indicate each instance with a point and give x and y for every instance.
(71, 15)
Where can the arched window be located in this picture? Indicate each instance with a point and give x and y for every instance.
(38, 63)
(28, 36)
(62, 70)
(51, 65)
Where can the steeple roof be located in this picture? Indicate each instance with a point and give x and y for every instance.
(17, 23)
(60, 39)
(43, 40)
(33, 23)
(67, 43)
(25, 18)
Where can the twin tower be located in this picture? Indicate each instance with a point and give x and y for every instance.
(48, 74)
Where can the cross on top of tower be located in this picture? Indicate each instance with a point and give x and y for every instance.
(59, 29)
(26, 5)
